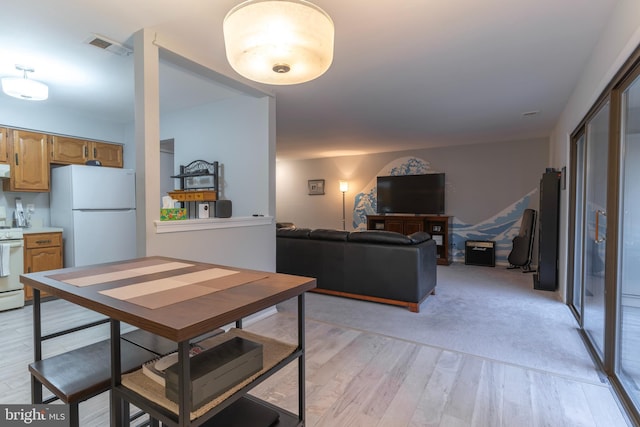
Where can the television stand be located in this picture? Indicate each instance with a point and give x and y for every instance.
(439, 226)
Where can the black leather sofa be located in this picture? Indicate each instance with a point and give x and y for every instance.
(380, 266)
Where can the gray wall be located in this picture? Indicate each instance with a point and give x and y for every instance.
(487, 186)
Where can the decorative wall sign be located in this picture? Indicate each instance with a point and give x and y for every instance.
(316, 187)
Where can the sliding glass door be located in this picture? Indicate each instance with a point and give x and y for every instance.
(604, 278)
(590, 232)
(628, 324)
(577, 292)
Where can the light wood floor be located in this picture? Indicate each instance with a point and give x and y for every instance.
(357, 378)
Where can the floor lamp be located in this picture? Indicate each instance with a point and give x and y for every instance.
(344, 187)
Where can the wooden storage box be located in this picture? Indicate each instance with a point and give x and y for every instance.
(216, 370)
(194, 195)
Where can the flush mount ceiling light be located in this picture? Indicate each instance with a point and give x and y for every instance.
(278, 42)
(23, 88)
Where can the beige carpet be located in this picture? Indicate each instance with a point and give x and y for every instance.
(489, 312)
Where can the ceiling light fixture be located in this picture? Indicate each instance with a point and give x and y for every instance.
(278, 42)
(23, 88)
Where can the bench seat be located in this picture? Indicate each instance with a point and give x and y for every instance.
(85, 372)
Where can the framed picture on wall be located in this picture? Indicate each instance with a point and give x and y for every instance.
(316, 187)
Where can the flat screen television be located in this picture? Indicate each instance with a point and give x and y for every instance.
(411, 194)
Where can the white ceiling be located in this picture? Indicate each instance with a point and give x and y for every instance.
(406, 73)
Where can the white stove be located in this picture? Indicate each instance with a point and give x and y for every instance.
(10, 233)
(11, 267)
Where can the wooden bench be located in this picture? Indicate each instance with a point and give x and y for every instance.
(80, 374)
(85, 372)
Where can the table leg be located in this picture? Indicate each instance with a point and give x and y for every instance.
(36, 386)
(184, 379)
(117, 409)
(301, 360)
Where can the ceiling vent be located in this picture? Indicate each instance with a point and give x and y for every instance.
(108, 45)
(530, 113)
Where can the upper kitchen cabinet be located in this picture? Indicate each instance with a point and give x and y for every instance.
(4, 146)
(68, 151)
(107, 154)
(29, 162)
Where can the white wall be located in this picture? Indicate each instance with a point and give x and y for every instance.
(238, 132)
(620, 37)
(43, 117)
(233, 132)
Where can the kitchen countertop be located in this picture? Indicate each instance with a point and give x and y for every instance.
(34, 230)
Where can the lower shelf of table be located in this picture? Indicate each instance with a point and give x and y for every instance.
(250, 411)
(137, 384)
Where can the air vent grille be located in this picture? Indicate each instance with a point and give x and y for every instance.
(530, 113)
(104, 43)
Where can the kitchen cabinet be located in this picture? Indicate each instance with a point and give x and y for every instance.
(42, 251)
(108, 154)
(66, 150)
(69, 151)
(4, 146)
(29, 160)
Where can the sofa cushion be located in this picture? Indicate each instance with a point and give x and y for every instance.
(322, 234)
(379, 236)
(295, 233)
(419, 237)
(285, 225)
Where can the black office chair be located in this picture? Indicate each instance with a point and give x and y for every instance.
(520, 256)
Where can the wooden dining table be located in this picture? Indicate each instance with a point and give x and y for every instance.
(178, 300)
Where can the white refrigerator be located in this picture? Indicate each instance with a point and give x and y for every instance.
(96, 208)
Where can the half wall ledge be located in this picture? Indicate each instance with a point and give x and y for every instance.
(211, 223)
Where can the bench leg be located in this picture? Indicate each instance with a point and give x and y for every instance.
(36, 390)
(74, 415)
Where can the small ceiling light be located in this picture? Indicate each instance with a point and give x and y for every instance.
(278, 42)
(23, 88)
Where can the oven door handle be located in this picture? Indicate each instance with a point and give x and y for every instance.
(14, 243)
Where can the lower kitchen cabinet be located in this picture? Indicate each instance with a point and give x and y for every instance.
(42, 251)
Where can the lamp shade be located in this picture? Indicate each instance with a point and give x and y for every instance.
(344, 186)
(23, 88)
(278, 42)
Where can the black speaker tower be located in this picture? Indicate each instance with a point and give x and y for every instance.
(546, 278)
